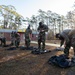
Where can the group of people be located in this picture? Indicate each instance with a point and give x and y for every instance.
(15, 38)
(67, 38)
(42, 28)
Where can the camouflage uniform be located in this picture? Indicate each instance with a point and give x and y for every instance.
(42, 36)
(28, 32)
(72, 40)
(17, 39)
(3, 41)
(12, 38)
(65, 35)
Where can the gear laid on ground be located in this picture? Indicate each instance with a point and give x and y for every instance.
(11, 48)
(25, 48)
(37, 51)
(61, 61)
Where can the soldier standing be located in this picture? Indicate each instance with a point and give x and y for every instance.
(28, 35)
(17, 39)
(12, 38)
(42, 36)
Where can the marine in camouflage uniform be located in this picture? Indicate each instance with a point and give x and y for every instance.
(17, 39)
(63, 36)
(68, 36)
(42, 36)
(28, 34)
(2, 39)
(12, 38)
(72, 40)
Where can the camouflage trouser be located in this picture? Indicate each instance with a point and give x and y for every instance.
(68, 45)
(13, 41)
(17, 42)
(73, 44)
(27, 42)
(66, 50)
(43, 44)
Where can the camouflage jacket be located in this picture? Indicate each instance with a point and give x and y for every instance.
(42, 31)
(12, 35)
(17, 36)
(27, 33)
(71, 33)
(65, 35)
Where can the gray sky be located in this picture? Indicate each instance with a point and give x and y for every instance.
(27, 8)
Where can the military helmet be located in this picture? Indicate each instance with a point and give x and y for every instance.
(40, 24)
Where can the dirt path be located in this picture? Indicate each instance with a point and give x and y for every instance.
(22, 62)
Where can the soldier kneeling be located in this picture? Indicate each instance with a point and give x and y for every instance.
(3, 41)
